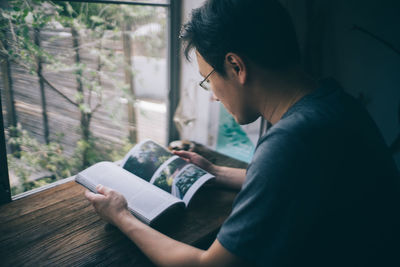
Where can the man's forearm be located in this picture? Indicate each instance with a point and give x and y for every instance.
(230, 177)
(165, 251)
(159, 248)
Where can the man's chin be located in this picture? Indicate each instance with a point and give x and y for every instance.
(245, 120)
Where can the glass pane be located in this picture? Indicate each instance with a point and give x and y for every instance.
(84, 82)
(232, 140)
(161, 2)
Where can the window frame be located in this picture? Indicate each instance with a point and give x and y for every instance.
(5, 190)
(174, 8)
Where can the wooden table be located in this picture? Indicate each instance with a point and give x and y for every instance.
(58, 227)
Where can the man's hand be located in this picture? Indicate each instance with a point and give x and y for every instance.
(198, 160)
(225, 176)
(109, 204)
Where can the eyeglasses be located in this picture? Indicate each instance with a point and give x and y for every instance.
(205, 84)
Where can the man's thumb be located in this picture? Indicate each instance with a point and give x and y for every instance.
(102, 189)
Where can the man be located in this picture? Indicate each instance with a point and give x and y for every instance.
(321, 190)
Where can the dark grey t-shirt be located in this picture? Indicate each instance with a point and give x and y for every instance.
(321, 190)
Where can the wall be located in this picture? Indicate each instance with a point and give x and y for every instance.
(365, 67)
(191, 97)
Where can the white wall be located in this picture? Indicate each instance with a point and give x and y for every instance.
(197, 103)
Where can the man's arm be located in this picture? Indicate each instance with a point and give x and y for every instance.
(226, 176)
(159, 248)
(230, 177)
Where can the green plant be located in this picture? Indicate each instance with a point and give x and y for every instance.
(49, 160)
(34, 157)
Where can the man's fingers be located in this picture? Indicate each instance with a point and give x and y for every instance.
(92, 197)
(184, 154)
(103, 189)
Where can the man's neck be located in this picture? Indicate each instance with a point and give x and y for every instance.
(282, 91)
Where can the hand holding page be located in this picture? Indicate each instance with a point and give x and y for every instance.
(152, 180)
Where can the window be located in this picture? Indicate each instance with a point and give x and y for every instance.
(82, 82)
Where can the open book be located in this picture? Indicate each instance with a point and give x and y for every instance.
(152, 179)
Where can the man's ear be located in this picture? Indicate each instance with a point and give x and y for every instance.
(235, 65)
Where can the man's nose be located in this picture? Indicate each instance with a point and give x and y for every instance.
(213, 97)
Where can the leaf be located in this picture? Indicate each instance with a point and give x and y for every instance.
(97, 19)
(29, 18)
(70, 10)
(6, 15)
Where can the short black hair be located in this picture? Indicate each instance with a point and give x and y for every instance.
(260, 30)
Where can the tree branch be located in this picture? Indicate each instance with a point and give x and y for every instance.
(58, 92)
(96, 107)
(12, 30)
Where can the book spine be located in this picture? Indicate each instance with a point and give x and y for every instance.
(86, 183)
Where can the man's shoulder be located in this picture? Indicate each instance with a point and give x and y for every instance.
(326, 120)
(326, 110)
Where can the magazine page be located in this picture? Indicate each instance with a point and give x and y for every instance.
(165, 170)
(145, 158)
(180, 178)
(144, 200)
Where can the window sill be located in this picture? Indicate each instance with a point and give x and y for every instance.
(42, 188)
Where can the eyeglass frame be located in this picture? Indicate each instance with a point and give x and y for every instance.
(206, 87)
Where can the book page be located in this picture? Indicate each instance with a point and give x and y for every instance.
(145, 158)
(180, 178)
(143, 198)
(157, 165)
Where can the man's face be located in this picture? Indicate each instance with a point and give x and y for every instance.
(229, 91)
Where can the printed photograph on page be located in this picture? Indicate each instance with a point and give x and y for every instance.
(144, 159)
(164, 179)
(186, 179)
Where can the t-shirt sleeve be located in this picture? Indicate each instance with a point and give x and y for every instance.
(273, 210)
